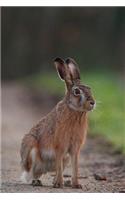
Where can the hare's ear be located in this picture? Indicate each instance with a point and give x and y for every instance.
(73, 70)
(60, 66)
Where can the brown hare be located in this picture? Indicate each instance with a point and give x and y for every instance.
(60, 133)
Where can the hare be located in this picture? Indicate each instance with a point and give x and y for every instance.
(61, 133)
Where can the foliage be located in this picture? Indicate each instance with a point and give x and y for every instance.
(108, 117)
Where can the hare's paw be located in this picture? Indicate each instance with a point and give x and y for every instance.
(67, 183)
(58, 184)
(36, 183)
(77, 186)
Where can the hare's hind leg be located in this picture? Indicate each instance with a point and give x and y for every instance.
(36, 167)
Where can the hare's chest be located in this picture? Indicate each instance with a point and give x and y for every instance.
(77, 137)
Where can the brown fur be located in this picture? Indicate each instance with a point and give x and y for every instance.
(61, 132)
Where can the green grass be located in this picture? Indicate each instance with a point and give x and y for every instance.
(108, 118)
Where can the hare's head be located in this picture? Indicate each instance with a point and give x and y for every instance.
(78, 96)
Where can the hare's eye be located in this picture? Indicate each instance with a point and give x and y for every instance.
(88, 98)
(76, 92)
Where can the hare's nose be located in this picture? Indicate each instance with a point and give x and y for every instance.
(92, 103)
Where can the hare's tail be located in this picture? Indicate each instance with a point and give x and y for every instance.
(25, 158)
(26, 161)
(25, 164)
(25, 177)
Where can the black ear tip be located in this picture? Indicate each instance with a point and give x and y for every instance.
(58, 60)
(69, 60)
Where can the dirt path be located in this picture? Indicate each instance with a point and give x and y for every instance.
(98, 157)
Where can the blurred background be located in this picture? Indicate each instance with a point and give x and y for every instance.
(32, 37)
(94, 36)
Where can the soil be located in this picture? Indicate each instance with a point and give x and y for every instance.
(101, 167)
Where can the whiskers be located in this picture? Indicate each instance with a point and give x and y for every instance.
(96, 115)
(98, 101)
(97, 108)
(97, 104)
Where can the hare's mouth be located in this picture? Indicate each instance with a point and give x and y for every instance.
(92, 107)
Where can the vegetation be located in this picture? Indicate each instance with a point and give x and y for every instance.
(108, 117)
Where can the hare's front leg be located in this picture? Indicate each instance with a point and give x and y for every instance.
(74, 162)
(58, 181)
